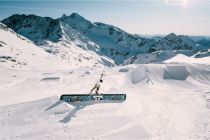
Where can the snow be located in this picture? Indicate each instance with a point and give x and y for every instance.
(156, 57)
(157, 107)
(102, 39)
(180, 58)
(164, 101)
(18, 52)
(168, 101)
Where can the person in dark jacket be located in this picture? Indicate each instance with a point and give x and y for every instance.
(97, 85)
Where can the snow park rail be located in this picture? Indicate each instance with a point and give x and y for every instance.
(87, 97)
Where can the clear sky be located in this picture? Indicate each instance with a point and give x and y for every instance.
(190, 17)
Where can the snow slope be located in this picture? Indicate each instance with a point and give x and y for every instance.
(164, 101)
(180, 58)
(156, 57)
(18, 52)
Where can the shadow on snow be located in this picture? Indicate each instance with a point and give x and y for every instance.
(78, 106)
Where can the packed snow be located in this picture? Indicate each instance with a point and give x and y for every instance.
(164, 101)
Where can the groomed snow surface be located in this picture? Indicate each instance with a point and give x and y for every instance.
(164, 102)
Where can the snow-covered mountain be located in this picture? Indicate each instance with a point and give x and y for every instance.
(103, 39)
(156, 57)
(198, 38)
(174, 42)
(205, 42)
(166, 48)
(18, 52)
(113, 42)
(34, 27)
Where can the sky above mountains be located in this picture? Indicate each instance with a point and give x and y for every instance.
(190, 17)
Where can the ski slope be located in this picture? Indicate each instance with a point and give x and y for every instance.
(164, 101)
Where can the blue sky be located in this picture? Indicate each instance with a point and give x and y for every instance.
(190, 17)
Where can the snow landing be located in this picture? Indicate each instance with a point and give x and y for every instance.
(164, 101)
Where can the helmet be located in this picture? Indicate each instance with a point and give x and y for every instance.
(101, 80)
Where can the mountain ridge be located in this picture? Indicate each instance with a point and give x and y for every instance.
(103, 39)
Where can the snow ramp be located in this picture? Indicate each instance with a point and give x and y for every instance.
(175, 73)
(169, 74)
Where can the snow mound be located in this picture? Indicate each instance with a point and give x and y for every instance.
(180, 58)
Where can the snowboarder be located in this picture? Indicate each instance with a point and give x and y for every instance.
(70, 98)
(97, 85)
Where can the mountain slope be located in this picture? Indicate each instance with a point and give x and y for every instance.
(20, 53)
(103, 39)
(174, 42)
(34, 27)
(113, 42)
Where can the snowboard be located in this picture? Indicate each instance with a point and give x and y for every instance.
(90, 97)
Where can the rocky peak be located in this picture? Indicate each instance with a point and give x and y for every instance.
(34, 27)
